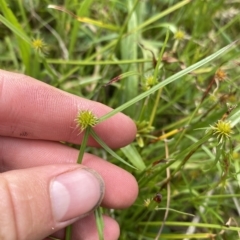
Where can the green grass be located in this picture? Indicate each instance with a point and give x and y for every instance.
(163, 83)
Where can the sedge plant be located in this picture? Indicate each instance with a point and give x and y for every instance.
(174, 73)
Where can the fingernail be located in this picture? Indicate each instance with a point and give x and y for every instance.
(75, 193)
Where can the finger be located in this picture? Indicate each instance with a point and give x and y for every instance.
(85, 229)
(39, 201)
(121, 188)
(34, 110)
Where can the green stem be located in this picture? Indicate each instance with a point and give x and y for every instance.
(155, 79)
(156, 70)
(162, 14)
(155, 107)
(79, 161)
(186, 224)
(124, 27)
(83, 145)
(93, 63)
(109, 150)
(99, 222)
(142, 116)
(188, 123)
(68, 232)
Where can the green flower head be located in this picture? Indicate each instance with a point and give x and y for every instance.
(179, 35)
(222, 129)
(39, 45)
(85, 118)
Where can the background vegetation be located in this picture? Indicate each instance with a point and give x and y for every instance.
(165, 64)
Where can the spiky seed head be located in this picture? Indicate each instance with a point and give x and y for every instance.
(222, 129)
(179, 35)
(147, 202)
(220, 75)
(149, 82)
(39, 45)
(85, 118)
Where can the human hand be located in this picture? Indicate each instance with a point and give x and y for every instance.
(42, 188)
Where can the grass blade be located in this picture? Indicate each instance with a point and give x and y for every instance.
(12, 23)
(109, 150)
(167, 81)
(134, 157)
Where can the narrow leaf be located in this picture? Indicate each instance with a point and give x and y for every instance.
(134, 157)
(109, 150)
(167, 81)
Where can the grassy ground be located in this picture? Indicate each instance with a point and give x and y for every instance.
(173, 66)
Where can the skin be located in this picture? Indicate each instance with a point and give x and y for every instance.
(34, 119)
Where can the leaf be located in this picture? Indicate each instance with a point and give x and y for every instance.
(134, 157)
(109, 150)
(12, 23)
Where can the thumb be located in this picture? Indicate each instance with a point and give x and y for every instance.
(36, 202)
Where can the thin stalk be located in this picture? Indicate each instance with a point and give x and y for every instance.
(162, 14)
(109, 150)
(124, 27)
(68, 233)
(156, 70)
(142, 116)
(79, 161)
(153, 114)
(83, 145)
(188, 123)
(50, 69)
(187, 224)
(168, 174)
(93, 63)
(176, 211)
(99, 222)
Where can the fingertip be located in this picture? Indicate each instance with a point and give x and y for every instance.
(121, 187)
(117, 131)
(85, 229)
(129, 129)
(126, 194)
(113, 229)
